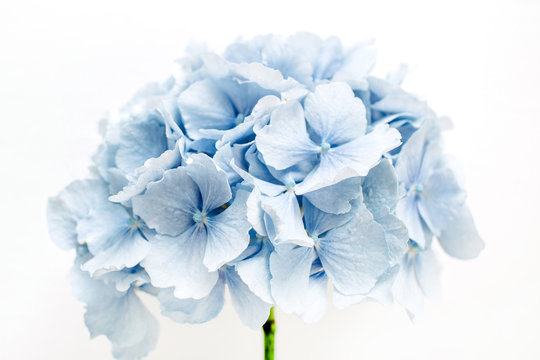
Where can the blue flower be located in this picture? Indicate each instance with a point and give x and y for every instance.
(434, 199)
(349, 249)
(273, 170)
(336, 138)
(197, 234)
(248, 280)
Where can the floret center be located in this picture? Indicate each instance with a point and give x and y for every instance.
(199, 217)
(325, 147)
(239, 118)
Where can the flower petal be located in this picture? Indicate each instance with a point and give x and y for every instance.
(114, 244)
(460, 239)
(227, 233)
(355, 255)
(335, 114)
(178, 261)
(250, 308)
(193, 311)
(168, 204)
(285, 142)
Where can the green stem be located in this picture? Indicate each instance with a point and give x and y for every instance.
(269, 330)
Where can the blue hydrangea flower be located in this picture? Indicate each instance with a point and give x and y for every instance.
(274, 170)
(197, 234)
(336, 138)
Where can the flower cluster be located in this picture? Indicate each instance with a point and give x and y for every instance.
(275, 170)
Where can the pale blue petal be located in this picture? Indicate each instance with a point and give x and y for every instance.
(227, 233)
(205, 106)
(120, 316)
(318, 222)
(355, 255)
(70, 206)
(441, 200)
(380, 188)
(356, 66)
(290, 266)
(335, 114)
(460, 239)
(285, 142)
(406, 290)
(381, 292)
(352, 159)
(427, 273)
(212, 182)
(138, 142)
(193, 311)
(316, 298)
(255, 213)
(407, 212)
(168, 205)
(152, 170)
(113, 237)
(178, 262)
(123, 279)
(336, 198)
(255, 271)
(410, 158)
(250, 308)
(284, 212)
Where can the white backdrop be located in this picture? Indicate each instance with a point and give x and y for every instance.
(63, 64)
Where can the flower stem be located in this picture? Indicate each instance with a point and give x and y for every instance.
(269, 330)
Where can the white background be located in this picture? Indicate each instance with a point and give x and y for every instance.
(63, 64)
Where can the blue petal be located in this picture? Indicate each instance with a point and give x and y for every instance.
(205, 106)
(212, 182)
(316, 298)
(427, 273)
(460, 239)
(318, 222)
(290, 266)
(407, 211)
(178, 262)
(152, 170)
(227, 233)
(355, 254)
(335, 114)
(250, 308)
(284, 212)
(441, 200)
(352, 159)
(285, 142)
(139, 141)
(168, 205)
(255, 271)
(406, 290)
(121, 316)
(381, 292)
(356, 66)
(71, 205)
(125, 278)
(336, 198)
(113, 237)
(193, 311)
(380, 189)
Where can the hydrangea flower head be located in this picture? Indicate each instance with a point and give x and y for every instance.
(277, 170)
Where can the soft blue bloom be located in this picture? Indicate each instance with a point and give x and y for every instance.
(116, 311)
(336, 139)
(351, 249)
(434, 199)
(276, 170)
(248, 280)
(197, 234)
(417, 278)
